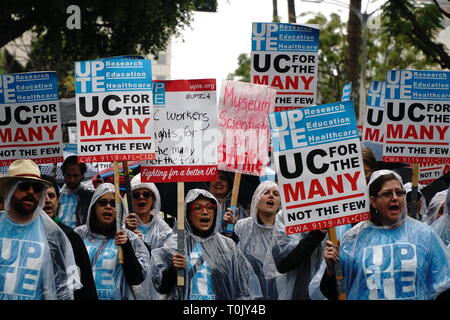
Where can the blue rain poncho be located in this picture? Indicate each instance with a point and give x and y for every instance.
(406, 260)
(254, 242)
(216, 269)
(442, 224)
(157, 231)
(108, 274)
(37, 257)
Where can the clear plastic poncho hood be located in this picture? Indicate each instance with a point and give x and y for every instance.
(442, 224)
(255, 239)
(48, 261)
(103, 255)
(438, 201)
(216, 268)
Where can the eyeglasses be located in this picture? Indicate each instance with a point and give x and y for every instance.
(25, 186)
(198, 208)
(145, 195)
(104, 203)
(390, 194)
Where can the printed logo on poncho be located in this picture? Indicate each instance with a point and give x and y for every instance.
(201, 283)
(103, 269)
(20, 269)
(390, 271)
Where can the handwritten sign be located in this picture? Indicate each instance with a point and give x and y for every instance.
(185, 117)
(243, 111)
(286, 56)
(417, 117)
(319, 165)
(30, 122)
(114, 107)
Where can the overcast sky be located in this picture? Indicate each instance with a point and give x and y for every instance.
(211, 48)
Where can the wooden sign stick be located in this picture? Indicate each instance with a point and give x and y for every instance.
(414, 188)
(118, 201)
(233, 205)
(337, 267)
(127, 186)
(180, 229)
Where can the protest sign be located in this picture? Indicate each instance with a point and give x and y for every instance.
(243, 110)
(417, 117)
(372, 136)
(185, 119)
(30, 122)
(286, 56)
(319, 164)
(114, 107)
(347, 92)
(429, 172)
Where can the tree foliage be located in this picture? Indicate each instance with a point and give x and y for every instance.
(420, 23)
(108, 28)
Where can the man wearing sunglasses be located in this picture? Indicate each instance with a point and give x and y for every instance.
(36, 257)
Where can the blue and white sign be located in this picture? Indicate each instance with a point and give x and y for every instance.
(286, 56)
(417, 117)
(30, 122)
(347, 92)
(114, 110)
(372, 136)
(319, 167)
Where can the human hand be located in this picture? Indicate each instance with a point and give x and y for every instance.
(330, 254)
(121, 237)
(178, 261)
(131, 221)
(228, 217)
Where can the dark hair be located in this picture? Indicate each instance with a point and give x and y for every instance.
(73, 160)
(93, 223)
(368, 158)
(376, 186)
(52, 181)
(213, 226)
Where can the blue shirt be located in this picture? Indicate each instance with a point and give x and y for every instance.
(22, 249)
(408, 262)
(201, 287)
(105, 268)
(67, 209)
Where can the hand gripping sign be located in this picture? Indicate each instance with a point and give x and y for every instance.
(319, 166)
(30, 123)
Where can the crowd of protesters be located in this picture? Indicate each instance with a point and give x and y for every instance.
(70, 242)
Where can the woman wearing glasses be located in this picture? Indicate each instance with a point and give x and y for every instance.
(214, 268)
(392, 256)
(145, 220)
(113, 281)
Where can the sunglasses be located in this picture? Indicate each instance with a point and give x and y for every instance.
(104, 203)
(145, 195)
(198, 208)
(25, 186)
